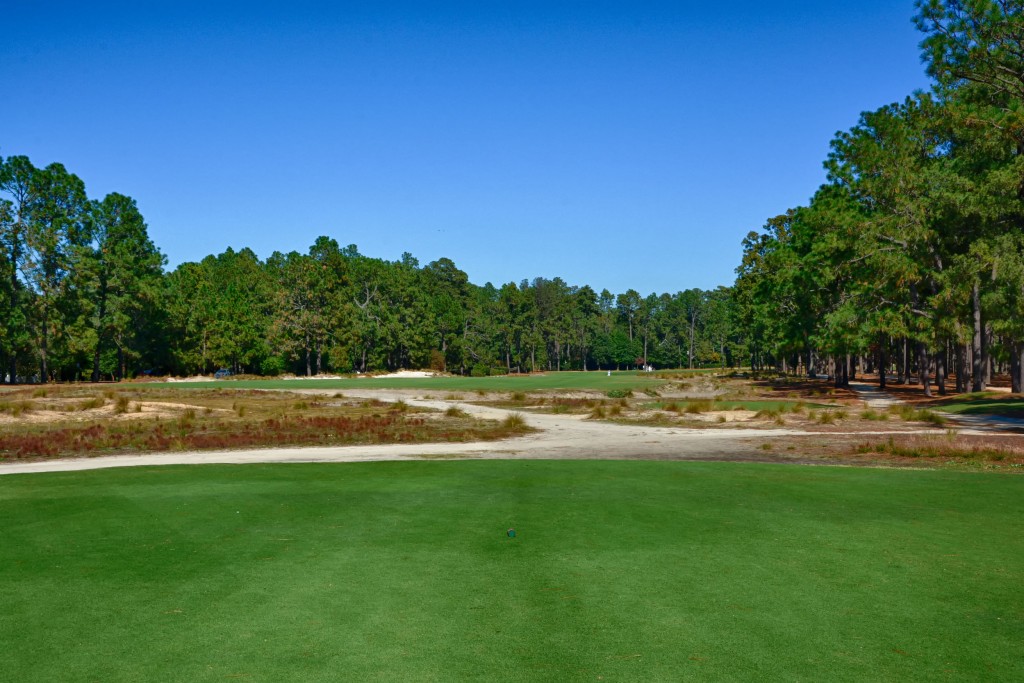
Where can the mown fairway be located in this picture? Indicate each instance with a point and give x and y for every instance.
(595, 380)
(403, 571)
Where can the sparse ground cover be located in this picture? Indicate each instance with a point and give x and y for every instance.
(618, 571)
(82, 420)
(133, 418)
(753, 405)
(951, 448)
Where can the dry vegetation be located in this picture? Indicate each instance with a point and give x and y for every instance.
(708, 401)
(949, 448)
(70, 421)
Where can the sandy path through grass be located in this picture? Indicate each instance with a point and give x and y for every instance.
(559, 437)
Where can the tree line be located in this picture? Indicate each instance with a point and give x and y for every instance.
(85, 296)
(910, 258)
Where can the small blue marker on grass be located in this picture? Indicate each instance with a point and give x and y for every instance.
(511, 533)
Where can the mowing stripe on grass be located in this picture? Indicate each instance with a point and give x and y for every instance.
(404, 571)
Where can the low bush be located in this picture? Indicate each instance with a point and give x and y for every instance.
(514, 422)
(701, 406)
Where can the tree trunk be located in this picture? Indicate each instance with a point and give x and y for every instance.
(940, 371)
(961, 368)
(882, 364)
(901, 376)
(96, 363)
(309, 359)
(977, 367)
(1017, 367)
(987, 359)
(922, 372)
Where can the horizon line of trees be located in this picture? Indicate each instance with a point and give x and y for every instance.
(84, 296)
(910, 258)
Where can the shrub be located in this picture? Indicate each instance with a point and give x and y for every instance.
(514, 422)
(702, 406)
(272, 366)
(121, 405)
(478, 370)
(620, 393)
(92, 403)
(497, 371)
(910, 414)
(597, 413)
(518, 396)
(455, 411)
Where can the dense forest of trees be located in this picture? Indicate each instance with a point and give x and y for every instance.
(911, 256)
(84, 296)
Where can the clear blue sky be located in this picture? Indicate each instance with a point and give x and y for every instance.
(619, 145)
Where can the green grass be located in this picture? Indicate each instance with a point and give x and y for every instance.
(593, 380)
(619, 570)
(983, 403)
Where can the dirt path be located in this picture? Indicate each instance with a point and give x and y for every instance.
(560, 437)
(877, 399)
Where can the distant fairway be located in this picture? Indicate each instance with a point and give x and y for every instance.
(403, 571)
(594, 380)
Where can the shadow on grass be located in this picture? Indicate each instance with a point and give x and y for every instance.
(984, 403)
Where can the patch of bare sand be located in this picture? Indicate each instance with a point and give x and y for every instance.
(559, 437)
(52, 412)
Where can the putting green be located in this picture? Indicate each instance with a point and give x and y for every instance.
(405, 571)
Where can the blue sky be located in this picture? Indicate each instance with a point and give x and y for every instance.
(613, 144)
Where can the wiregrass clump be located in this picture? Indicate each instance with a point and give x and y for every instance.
(911, 414)
(515, 422)
(121, 405)
(700, 406)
